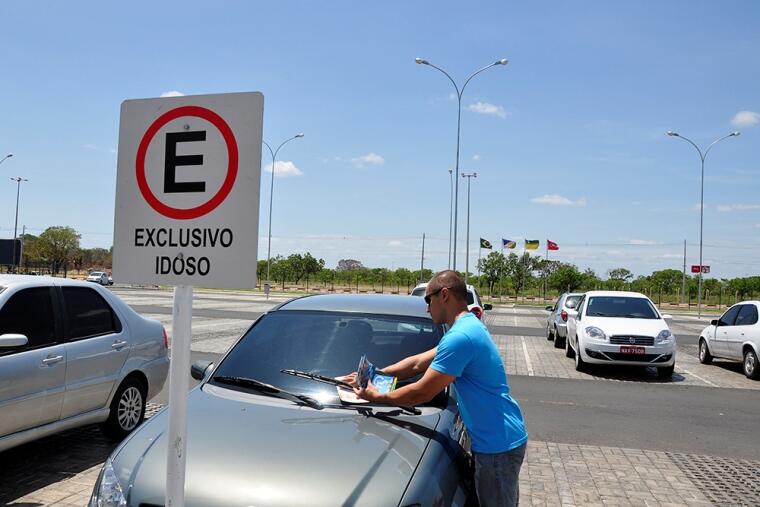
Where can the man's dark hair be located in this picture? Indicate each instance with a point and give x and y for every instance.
(450, 280)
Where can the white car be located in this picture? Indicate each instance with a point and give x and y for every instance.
(71, 354)
(622, 328)
(735, 336)
(99, 277)
(474, 304)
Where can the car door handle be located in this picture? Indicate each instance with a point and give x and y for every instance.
(52, 360)
(119, 345)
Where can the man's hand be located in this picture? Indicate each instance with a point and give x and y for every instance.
(349, 379)
(369, 393)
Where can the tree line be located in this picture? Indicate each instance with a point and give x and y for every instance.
(57, 250)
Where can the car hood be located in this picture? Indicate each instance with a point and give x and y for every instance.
(245, 449)
(613, 326)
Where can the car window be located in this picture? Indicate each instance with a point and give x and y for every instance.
(621, 306)
(326, 343)
(747, 315)
(419, 292)
(87, 314)
(728, 318)
(470, 298)
(580, 306)
(29, 312)
(572, 301)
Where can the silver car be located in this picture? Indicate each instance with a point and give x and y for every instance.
(735, 336)
(72, 353)
(563, 310)
(265, 426)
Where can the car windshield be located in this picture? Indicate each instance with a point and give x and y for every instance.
(420, 291)
(326, 343)
(621, 306)
(96, 273)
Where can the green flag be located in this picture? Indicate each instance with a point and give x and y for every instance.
(484, 243)
(531, 244)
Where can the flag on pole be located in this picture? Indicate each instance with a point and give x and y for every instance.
(484, 243)
(551, 245)
(531, 244)
(508, 243)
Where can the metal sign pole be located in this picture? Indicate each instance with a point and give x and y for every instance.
(179, 384)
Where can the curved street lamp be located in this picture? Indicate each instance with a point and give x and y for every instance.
(702, 157)
(271, 190)
(421, 61)
(18, 181)
(451, 210)
(9, 155)
(467, 245)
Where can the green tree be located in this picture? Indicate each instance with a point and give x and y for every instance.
(493, 267)
(58, 244)
(303, 265)
(566, 278)
(520, 270)
(618, 277)
(668, 279)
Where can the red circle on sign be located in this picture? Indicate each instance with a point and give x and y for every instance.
(232, 163)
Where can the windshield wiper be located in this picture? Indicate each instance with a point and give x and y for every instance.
(268, 389)
(340, 383)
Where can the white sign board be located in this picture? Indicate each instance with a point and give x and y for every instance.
(187, 190)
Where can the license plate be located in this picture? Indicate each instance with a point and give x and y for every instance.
(632, 350)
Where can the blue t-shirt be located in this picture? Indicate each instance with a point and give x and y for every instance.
(493, 419)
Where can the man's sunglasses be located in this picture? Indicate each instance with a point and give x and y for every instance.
(428, 296)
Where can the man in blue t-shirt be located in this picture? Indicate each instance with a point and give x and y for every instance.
(467, 356)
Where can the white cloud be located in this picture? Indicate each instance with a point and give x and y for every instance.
(486, 108)
(172, 93)
(641, 242)
(558, 200)
(476, 157)
(284, 169)
(368, 159)
(394, 243)
(672, 256)
(745, 119)
(737, 207)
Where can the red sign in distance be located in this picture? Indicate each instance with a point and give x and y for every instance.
(232, 163)
(695, 268)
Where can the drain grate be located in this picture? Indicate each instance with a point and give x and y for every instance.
(724, 481)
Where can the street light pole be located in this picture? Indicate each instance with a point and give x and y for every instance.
(421, 61)
(702, 157)
(9, 155)
(271, 192)
(451, 209)
(467, 251)
(18, 181)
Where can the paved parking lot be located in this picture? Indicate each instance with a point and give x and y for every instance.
(61, 470)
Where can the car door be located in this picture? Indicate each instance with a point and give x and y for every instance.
(31, 376)
(723, 330)
(96, 349)
(742, 329)
(574, 321)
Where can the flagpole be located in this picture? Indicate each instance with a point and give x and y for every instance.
(546, 266)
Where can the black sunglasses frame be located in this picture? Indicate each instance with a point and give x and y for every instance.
(428, 296)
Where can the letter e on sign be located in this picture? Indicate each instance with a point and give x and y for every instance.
(189, 165)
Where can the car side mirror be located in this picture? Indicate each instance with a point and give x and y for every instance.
(667, 317)
(13, 340)
(487, 306)
(715, 322)
(201, 368)
(549, 308)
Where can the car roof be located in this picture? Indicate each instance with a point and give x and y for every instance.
(31, 280)
(470, 288)
(381, 304)
(615, 293)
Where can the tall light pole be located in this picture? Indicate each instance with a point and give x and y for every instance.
(18, 181)
(9, 155)
(271, 191)
(421, 61)
(702, 157)
(467, 254)
(451, 209)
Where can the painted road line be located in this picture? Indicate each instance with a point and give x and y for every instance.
(698, 377)
(527, 357)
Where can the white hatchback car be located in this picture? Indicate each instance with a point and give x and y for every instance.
(620, 328)
(98, 277)
(735, 336)
(474, 304)
(72, 353)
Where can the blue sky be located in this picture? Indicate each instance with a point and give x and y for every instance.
(567, 140)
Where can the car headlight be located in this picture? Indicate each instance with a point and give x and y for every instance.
(108, 491)
(596, 334)
(665, 336)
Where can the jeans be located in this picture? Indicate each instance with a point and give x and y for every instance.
(497, 477)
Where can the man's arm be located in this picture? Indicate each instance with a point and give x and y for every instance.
(410, 366)
(422, 391)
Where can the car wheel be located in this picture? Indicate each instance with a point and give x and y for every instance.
(704, 353)
(127, 409)
(751, 368)
(569, 352)
(666, 371)
(549, 334)
(580, 365)
(559, 342)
